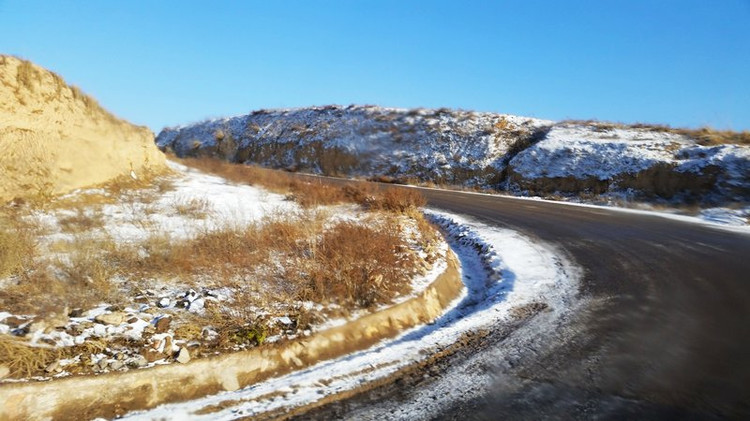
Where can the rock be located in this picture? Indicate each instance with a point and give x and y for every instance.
(132, 320)
(191, 295)
(22, 330)
(183, 356)
(58, 321)
(14, 322)
(99, 331)
(141, 299)
(116, 365)
(76, 312)
(4, 371)
(38, 326)
(162, 325)
(53, 367)
(163, 303)
(116, 318)
(152, 355)
(196, 305)
(102, 364)
(138, 361)
(114, 308)
(167, 345)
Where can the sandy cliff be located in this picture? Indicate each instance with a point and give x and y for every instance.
(54, 138)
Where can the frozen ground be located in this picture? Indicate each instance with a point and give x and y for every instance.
(502, 271)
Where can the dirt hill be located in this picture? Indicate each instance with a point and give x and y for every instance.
(54, 138)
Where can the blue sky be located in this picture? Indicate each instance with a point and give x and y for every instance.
(160, 63)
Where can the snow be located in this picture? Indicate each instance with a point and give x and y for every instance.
(502, 269)
(581, 153)
(727, 217)
(227, 203)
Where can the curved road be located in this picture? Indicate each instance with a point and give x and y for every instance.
(664, 332)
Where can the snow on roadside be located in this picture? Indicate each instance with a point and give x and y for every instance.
(501, 269)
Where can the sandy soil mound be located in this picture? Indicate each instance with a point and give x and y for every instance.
(54, 138)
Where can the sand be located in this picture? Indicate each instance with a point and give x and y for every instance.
(54, 138)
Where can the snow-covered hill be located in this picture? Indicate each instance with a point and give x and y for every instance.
(473, 149)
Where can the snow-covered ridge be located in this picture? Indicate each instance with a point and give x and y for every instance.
(439, 145)
(494, 151)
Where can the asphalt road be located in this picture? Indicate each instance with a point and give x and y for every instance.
(664, 333)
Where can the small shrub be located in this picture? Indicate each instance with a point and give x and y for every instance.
(196, 208)
(316, 193)
(17, 248)
(358, 266)
(398, 200)
(24, 360)
(81, 221)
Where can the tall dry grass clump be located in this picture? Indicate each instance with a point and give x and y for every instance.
(17, 246)
(23, 360)
(81, 278)
(359, 266)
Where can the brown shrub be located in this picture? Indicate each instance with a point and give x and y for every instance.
(316, 193)
(17, 247)
(24, 360)
(81, 221)
(398, 200)
(358, 265)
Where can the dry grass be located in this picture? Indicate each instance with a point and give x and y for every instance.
(276, 181)
(358, 266)
(312, 193)
(349, 263)
(83, 280)
(82, 220)
(196, 208)
(706, 136)
(24, 360)
(17, 245)
(709, 136)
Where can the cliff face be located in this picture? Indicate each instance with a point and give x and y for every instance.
(502, 152)
(54, 138)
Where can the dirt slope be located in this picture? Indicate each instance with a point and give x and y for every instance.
(54, 138)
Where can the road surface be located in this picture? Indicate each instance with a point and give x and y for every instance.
(664, 332)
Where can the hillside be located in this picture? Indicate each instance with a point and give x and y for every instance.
(481, 150)
(55, 138)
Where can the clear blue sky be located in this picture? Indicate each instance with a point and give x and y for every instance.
(159, 63)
